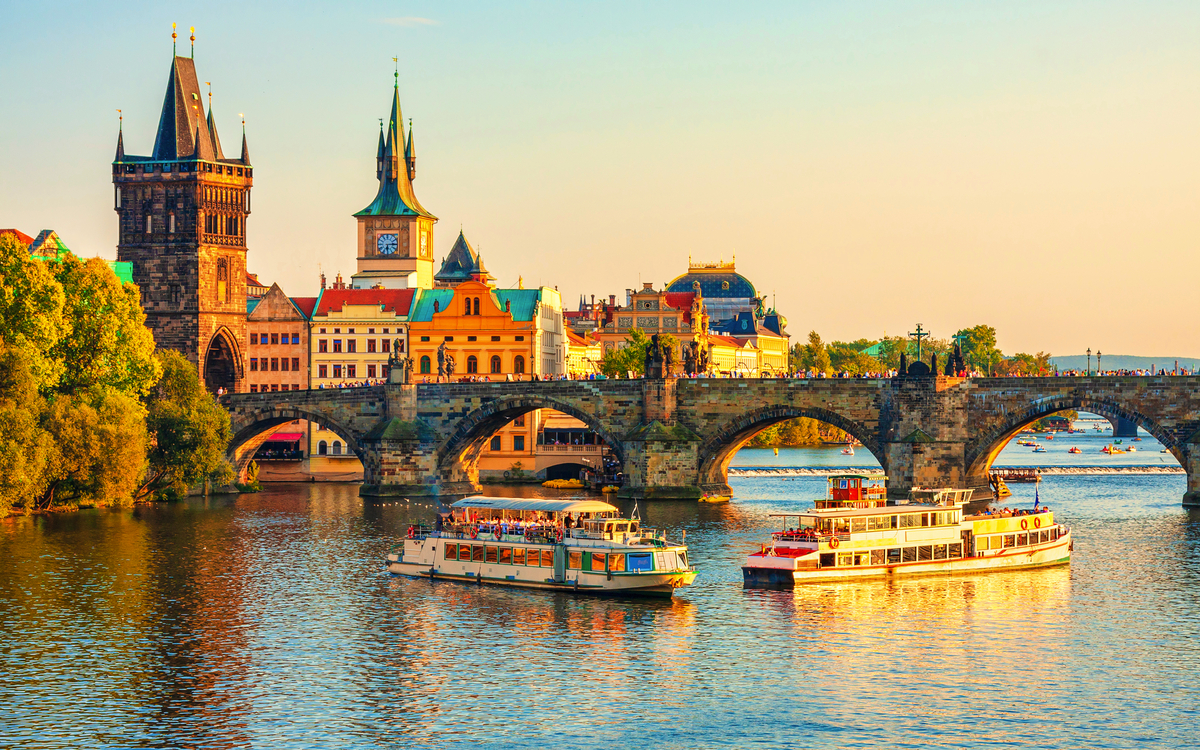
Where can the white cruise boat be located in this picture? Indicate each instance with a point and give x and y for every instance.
(927, 535)
(566, 545)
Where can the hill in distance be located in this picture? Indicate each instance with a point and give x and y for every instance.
(1124, 362)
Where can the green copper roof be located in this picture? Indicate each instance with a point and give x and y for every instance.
(422, 306)
(123, 270)
(524, 301)
(395, 196)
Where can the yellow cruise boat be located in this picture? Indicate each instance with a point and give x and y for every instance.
(929, 535)
(576, 545)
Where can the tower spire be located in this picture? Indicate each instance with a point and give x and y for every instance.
(174, 36)
(212, 125)
(395, 196)
(120, 136)
(379, 153)
(245, 148)
(410, 153)
(193, 30)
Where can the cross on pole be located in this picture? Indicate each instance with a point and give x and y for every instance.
(918, 335)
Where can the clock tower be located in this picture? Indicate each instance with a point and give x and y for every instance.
(395, 232)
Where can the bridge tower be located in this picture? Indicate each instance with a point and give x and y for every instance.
(181, 222)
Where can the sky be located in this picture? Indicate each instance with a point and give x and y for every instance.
(1034, 166)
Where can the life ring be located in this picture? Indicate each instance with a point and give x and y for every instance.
(833, 542)
(1024, 524)
(411, 532)
(1037, 523)
(474, 533)
(558, 536)
(499, 534)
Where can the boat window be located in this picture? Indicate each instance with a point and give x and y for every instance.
(598, 559)
(1045, 537)
(491, 554)
(451, 551)
(547, 558)
(532, 559)
(639, 562)
(506, 556)
(616, 563)
(608, 529)
(955, 550)
(622, 527)
(893, 555)
(880, 522)
(682, 555)
(910, 554)
(575, 560)
(878, 556)
(464, 552)
(862, 558)
(925, 552)
(1009, 540)
(939, 552)
(633, 527)
(924, 519)
(827, 560)
(477, 553)
(518, 557)
(845, 559)
(1053, 534)
(981, 543)
(910, 520)
(1022, 540)
(858, 524)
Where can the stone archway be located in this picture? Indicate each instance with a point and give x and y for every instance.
(250, 431)
(222, 362)
(716, 453)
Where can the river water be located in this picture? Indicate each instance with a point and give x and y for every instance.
(267, 621)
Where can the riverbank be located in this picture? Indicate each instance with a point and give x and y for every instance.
(794, 471)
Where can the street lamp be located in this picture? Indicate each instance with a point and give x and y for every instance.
(1089, 353)
(1098, 368)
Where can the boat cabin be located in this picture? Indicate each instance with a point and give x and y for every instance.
(938, 496)
(854, 491)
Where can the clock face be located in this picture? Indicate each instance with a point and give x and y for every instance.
(386, 244)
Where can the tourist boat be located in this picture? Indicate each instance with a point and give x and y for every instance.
(707, 498)
(558, 544)
(854, 491)
(928, 535)
(1074, 449)
(1039, 449)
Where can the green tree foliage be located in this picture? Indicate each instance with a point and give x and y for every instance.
(189, 432)
(24, 446)
(630, 358)
(979, 348)
(793, 433)
(847, 356)
(813, 356)
(31, 311)
(1026, 365)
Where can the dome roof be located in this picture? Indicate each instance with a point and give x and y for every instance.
(713, 281)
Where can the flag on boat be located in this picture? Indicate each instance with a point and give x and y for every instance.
(1036, 498)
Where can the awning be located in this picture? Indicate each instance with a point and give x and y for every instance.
(547, 505)
(286, 437)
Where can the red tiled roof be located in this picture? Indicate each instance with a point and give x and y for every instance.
(727, 340)
(577, 340)
(23, 238)
(573, 314)
(680, 300)
(305, 305)
(393, 300)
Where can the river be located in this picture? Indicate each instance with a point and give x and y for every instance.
(267, 621)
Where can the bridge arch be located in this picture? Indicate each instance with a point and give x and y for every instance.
(458, 454)
(983, 449)
(717, 451)
(252, 429)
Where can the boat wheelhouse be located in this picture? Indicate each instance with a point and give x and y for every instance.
(561, 544)
(854, 491)
(929, 534)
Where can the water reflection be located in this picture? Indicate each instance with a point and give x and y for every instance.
(267, 621)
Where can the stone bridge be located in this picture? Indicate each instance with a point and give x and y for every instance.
(676, 438)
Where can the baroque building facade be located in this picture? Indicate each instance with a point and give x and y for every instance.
(181, 217)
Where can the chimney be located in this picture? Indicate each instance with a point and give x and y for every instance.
(322, 280)
(612, 300)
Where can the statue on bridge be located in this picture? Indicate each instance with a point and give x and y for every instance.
(689, 358)
(653, 368)
(441, 358)
(449, 367)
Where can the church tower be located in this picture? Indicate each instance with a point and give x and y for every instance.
(395, 232)
(181, 216)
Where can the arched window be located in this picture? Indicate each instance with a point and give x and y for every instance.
(476, 306)
(337, 447)
(224, 288)
(519, 365)
(472, 364)
(322, 448)
(495, 364)
(425, 365)
(468, 305)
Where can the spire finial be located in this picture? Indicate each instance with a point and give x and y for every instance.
(209, 84)
(243, 116)
(193, 30)
(397, 73)
(174, 36)
(120, 121)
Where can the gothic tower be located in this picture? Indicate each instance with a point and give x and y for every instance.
(395, 233)
(182, 223)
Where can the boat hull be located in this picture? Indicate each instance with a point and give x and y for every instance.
(1040, 556)
(587, 582)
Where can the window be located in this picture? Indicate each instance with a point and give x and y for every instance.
(575, 560)
(519, 365)
(322, 371)
(254, 339)
(878, 556)
(425, 365)
(322, 345)
(283, 363)
(616, 563)
(370, 371)
(467, 306)
(337, 447)
(370, 346)
(274, 388)
(424, 338)
(337, 330)
(451, 552)
(547, 558)
(506, 556)
(448, 338)
(495, 444)
(254, 364)
(385, 346)
(489, 554)
(519, 421)
(464, 552)
(149, 221)
(520, 338)
(472, 364)
(349, 330)
(322, 330)
(337, 371)
(477, 553)
(274, 364)
(295, 386)
(171, 224)
(295, 364)
(893, 555)
(224, 288)
(476, 306)
(533, 558)
(518, 442)
(1009, 540)
(472, 338)
(253, 388)
(495, 338)
(351, 346)
(939, 552)
(337, 346)
(295, 338)
(518, 556)
(1022, 540)
(495, 364)
(351, 371)
(828, 560)
(909, 554)
(274, 339)
(925, 552)
(322, 448)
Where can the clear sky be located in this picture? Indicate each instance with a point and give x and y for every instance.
(1030, 165)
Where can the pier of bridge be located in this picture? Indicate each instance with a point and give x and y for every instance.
(676, 437)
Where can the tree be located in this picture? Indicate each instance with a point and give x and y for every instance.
(979, 348)
(1026, 365)
(629, 358)
(847, 356)
(31, 311)
(24, 446)
(813, 356)
(106, 342)
(189, 433)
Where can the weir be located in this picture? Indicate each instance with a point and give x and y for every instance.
(676, 437)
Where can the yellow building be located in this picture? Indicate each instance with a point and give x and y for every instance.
(584, 356)
(352, 334)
